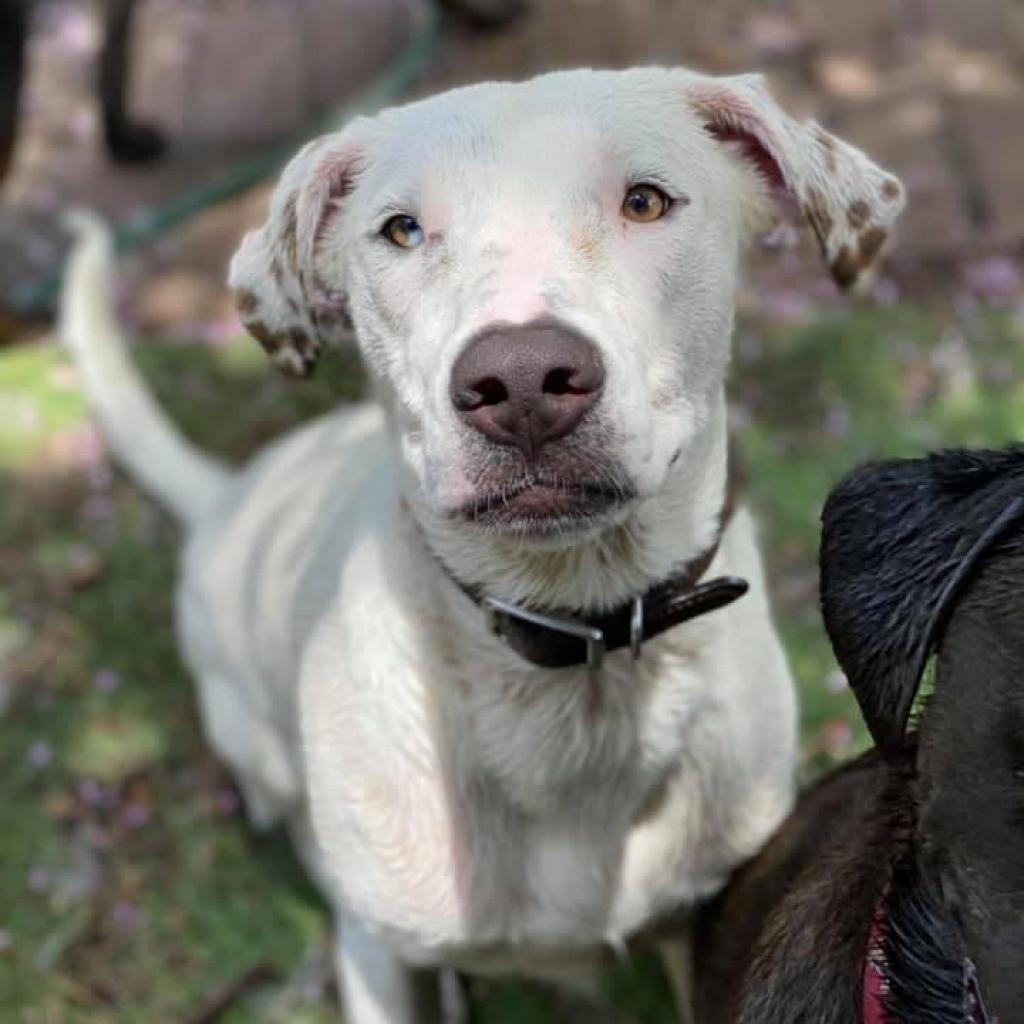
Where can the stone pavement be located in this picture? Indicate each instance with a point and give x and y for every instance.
(933, 89)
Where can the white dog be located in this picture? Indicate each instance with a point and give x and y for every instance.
(452, 639)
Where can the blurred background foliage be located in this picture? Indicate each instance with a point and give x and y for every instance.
(130, 887)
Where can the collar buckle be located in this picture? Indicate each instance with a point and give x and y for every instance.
(636, 627)
(496, 611)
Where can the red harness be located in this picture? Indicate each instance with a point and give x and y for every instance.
(876, 985)
(875, 1003)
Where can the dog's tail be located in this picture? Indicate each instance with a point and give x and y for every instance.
(144, 441)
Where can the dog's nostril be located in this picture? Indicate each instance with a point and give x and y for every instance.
(562, 381)
(489, 391)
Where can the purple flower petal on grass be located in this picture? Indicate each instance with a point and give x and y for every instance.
(837, 421)
(107, 680)
(89, 447)
(40, 754)
(101, 477)
(38, 878)
(887, 292)
(786, 306)
(93, 793)
(135, 816)
(226, 801)
(126, 916)
(996, 278)
(98, 508)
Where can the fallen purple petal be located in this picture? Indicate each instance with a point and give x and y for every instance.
(886, 292)
(995, 279)
(136, 816)
(226, 801)
(786, 306)
(101, 477)
(89, 447)
(40, 754)
(93, 793)
(837, 421)
(126, 916)
(38, 878)
(98, 508)
(107, 680)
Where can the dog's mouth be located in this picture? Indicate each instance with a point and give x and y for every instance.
(546, 506)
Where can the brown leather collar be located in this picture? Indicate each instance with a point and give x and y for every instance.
(562, 638)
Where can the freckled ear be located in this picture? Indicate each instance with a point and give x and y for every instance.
(849, 201)
(289, 291)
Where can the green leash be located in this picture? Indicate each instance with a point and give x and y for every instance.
(150, 224)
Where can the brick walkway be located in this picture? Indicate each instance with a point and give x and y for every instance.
(932, 88)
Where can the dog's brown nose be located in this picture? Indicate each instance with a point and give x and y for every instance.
(525, 385)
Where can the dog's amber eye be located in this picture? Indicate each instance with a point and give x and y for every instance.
(645, 203)
(403, 231)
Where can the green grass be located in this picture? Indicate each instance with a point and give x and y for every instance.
(130, 887)
(39, 399)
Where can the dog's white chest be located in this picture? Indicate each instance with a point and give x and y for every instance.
(443, 880)
(518, 825)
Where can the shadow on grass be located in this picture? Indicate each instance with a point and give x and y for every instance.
(130, 886)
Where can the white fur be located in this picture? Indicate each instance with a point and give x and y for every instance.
(458, 805)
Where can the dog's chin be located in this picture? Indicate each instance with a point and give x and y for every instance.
(546, 511)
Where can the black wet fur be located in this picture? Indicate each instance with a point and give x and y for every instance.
(918, 557)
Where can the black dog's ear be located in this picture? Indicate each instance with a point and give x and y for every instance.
(899, 542)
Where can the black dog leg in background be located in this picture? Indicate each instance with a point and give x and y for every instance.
(483, 14)
(127, 140)
(13, 33)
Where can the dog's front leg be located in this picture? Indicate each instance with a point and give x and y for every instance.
(378, 988)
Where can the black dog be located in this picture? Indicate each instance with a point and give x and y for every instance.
(128, 140)
(895, 891)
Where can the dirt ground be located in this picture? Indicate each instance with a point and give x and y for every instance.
(933, 89)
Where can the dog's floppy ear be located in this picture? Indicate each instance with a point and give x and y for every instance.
(849, 201)
(900, 541)
(288, 284)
